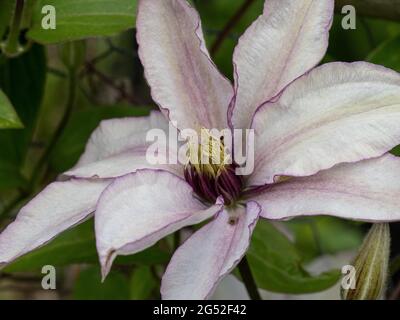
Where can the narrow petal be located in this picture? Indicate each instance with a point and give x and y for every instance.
(209, 254)
(139, 209)
(339, 112)
(119, 146)
(368, 190)
(185, 83)
(286, 41)
(58, 207)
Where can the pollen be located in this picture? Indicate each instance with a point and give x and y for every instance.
(210, 169)
(208, 156)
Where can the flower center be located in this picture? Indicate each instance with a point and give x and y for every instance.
(210, 170)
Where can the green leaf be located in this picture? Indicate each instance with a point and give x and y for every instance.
(142, 283)
(277, 265)
(72, 142)
(396, 151)
(80, 19)
(6, 7)
(354, 45)
(22, 80)
(10, 176)
(324, 235)
(78, 246)
(74, 246)
(89, 286)
(8, 117)
(387, 54)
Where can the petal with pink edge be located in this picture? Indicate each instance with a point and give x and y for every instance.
(286, 41)
(58, 207)
(184, 81)
(209, 254)
(139, 209)
(119, 146)
(339, 112)
(368, 190)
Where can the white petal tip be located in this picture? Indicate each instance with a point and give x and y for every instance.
(106, 263)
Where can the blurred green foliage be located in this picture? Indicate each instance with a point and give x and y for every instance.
(77, 19)
(72, 141)
(276, 264)
(41, 136)
(78, 246)
(89, 286)
(8, 116)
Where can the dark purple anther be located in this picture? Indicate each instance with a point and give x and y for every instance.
(226, 184)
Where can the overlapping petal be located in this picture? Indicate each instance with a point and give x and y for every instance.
(184, 82)
(58, 207)
(368, 190)
(119, 146)
(339, 112)
(139, 209)
(287, 40)
(209, 254)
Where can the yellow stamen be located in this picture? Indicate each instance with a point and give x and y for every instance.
(208, 155)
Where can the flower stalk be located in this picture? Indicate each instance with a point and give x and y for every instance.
(248, 279)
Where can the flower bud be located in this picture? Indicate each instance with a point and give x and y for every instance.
(370, 266)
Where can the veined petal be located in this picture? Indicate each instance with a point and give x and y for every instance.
(367, 190)
(339, 112)
(139, 209)
(58, 207)
(209, 254)
(185, 83)
(119, 135)
(119, 146)
(286, 41)
(121, 164)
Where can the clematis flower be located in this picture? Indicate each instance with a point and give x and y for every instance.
(322, 136)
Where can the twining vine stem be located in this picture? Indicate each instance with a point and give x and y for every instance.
(72, 77)
(229, 26)
(248, 279)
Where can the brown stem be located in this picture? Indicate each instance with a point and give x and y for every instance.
(38, 170)
(91, 69)
(229, 26)
(248, 279)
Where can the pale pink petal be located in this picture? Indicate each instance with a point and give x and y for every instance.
(339, 112)
(209, 254)
(121, 164)
(139, 209)
(289, 39)
(58, 207)
(119, 135)
(184, 81)
(119, 146)
(368, 190)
